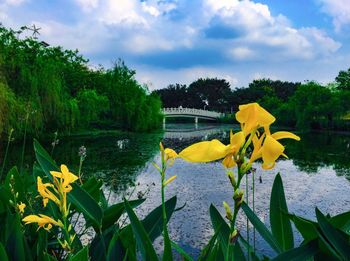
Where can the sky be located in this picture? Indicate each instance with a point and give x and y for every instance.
(179, 41)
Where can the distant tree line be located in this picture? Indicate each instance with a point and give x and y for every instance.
(46, 89)
(304, 106)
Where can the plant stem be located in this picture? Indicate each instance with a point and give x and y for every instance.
(6, 151)
(24, 142)
(79, 172)
(253, 172)
(247, 199)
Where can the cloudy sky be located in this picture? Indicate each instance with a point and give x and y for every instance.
(178, 41)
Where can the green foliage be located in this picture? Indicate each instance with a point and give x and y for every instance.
(303, 106)
(92, 106)
(343, 80)
(54, 89)
(280, 224)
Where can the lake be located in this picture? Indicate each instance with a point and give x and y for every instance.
(317, 173)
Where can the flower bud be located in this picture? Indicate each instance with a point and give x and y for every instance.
(229, 215)
(231, 176)
(161, 147)
(238, 197)
(234, 236)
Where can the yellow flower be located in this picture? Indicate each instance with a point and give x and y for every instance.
(204, 151)
(170, 154)
(269, 149)
(21, 207)
(236, 142)
(43, 189)
(66, 178)
(43, 221)
(253, 116)
(207, 151)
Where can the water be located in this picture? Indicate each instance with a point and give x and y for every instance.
(316, 174)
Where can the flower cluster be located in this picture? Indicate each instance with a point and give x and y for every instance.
(55, 192)
(266, 146)
(255, 124)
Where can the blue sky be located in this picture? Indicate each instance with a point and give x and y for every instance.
(178, 41)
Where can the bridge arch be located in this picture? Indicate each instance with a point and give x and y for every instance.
(190, 113)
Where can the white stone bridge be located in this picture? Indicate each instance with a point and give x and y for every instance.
(190, 113)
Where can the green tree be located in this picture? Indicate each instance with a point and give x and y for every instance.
(343, 80)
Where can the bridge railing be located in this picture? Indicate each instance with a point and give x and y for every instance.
(192, 111)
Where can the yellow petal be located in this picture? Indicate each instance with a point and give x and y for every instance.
(204, 151)
(252, 115)
(21, 207)
(285, 135)
(170, 153)
(169, 180)
(228, 161)
(271, 150)
(56, 174)
(264, 117)
(257, 151)
(64, 169)
(68, 179)
(237, 139)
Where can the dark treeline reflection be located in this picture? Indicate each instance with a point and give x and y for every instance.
(116, 159)
(321, 149)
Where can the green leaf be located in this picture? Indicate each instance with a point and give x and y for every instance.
(280, 224)
(304, 252)
(3, 255)
(336, 238)
(142, 239)
(82, 255)
(167, 254)
(93, 186)
(307, 228)
(209, 248)
(98, 247)
(115, 248)
(153, 222)
(341, 221)
(249, 248)
(182, 252)
(238, 253)
(220, 226)
(78, 196)
(15, 241)
(114, 212)
(261, 228)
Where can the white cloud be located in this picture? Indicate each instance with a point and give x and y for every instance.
(150, 9)
(140, 44)
(242, 53)
(88, 5)
(127, 12)
(258, 27)
(131, 29)
(339, 10)
(15, 2)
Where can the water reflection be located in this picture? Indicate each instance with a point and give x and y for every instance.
(311, 175)
(117, 159)
(321, 149)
